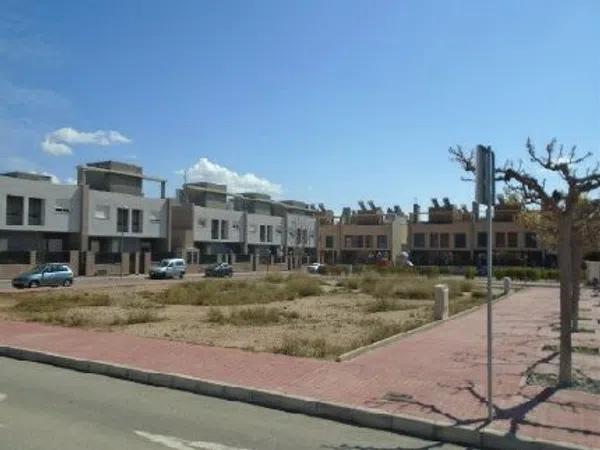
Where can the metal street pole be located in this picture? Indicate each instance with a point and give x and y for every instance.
(490, 196)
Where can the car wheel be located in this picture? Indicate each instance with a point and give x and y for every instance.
(181, 275)
(34, 284)
(67, 283)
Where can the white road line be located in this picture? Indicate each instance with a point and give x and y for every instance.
(2, 396)
(182, 444)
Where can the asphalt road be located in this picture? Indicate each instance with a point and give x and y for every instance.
(44, 407)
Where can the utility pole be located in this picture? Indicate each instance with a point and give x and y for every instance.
(485, 193)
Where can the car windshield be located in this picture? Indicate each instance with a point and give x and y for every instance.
(38, 269)
(164, 263)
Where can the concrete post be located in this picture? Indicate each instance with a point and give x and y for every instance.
(136, 268)
(233, 259)
(125, 263)
(271, 260)
(74, 261)
(253, 260)
(147, 262)
(33, 257)
(440, 307)
(507, 285)
(90, 264)
(219, 258)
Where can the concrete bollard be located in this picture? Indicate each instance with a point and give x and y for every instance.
(507, 285)
(440, 308)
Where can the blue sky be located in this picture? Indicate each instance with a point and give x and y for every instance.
(322, 101)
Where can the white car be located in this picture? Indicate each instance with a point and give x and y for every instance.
(315, 267)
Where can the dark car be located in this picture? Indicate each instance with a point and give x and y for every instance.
(52, 274)
(219, 270)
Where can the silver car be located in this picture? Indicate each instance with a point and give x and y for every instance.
(52, 274)
(169, 268)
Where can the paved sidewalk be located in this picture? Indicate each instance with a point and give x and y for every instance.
(438, 374)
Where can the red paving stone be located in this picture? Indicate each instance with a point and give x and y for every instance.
(437, 374)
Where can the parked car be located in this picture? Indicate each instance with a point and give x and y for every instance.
(51, 274)
(315, 268)
(219, 270)
(169, 268)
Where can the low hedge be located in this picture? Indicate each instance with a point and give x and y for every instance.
(526, 273)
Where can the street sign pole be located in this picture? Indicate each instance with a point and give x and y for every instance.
(485, 193)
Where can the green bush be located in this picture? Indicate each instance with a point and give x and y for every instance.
(470, 273)
(526, 273)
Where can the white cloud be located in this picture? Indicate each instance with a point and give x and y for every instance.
(60, 142)
(205, 170)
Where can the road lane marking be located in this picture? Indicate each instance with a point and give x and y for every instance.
(2, 397)
(181, 444)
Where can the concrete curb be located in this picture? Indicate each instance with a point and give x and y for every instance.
(396, 337)
(414, 426)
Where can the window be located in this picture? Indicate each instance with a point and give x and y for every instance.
(368, 241)
(35, 214)
(122, 220)
(224, 229)
(482, 240)
(500, 240)
(329, 241)
(513, 239)
(214, 229)
(298, 236)
(269, 233)
(382, 241)
(14, 210)
(460, 240)
(419, 240)
(263, 233)
(444, 240)
(434, 240)
(530, 240)
(102, 212)
(353, 241)
(305, 236)
(62, 206)
(155, 217)
(137, 220)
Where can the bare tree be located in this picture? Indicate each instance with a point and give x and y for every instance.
(562, 203)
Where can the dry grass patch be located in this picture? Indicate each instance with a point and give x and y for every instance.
(259, 316)
(272, 288)
(50, 302)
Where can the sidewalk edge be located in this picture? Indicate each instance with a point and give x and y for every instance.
(414, 426)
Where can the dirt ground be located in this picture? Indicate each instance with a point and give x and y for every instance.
(326, 325)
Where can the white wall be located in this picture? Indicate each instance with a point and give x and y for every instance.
(295, 221)
(108, 227)
(202, 224)
(53, 221)
(254, 221)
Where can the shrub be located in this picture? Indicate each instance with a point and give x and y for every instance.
(48, 302)
(306, 347)
(251, 316)
(274, 278)
(383, 304)
(139, 315)
(470, 273)
(215, 315)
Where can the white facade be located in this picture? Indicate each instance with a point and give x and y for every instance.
(257, 237)
(102, 215)
(301, 231)
(60, 205)
(229, 225)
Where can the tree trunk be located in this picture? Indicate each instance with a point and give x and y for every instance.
(576, 261)
(565, 263)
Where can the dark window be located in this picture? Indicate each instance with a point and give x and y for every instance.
(513, 239)
(382, 241)
(444, 240)
(298, 236)
(353, 241)
(434, 240)
(500, 240)
(269, 233)
(530, 240)
(305, 236)
(214, 229)
(460, 240)
(35, 214)
(224, 229)
(482, 240)
(14, 210)
(419, 240)
(122, 220)
(368, 241)
(329, 241)
(263, 233)
(136, 220)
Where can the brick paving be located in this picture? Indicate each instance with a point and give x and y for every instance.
(437, 374)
